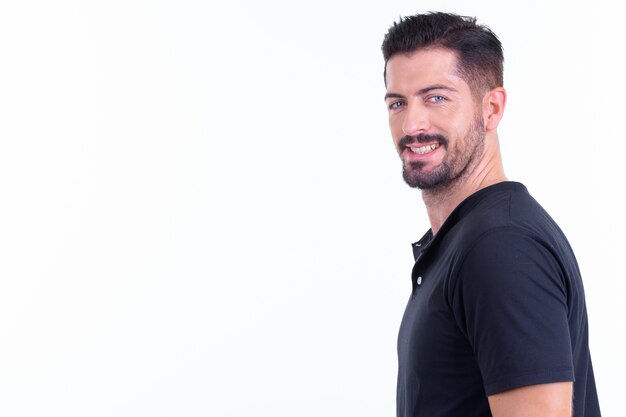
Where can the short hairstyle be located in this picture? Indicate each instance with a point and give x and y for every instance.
(478, 49)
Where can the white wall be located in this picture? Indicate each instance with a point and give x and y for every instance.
(202, 212)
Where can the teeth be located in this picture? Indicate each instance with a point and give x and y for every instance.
(423, 149)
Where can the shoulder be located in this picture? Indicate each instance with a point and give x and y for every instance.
(503, 221)
(503, 235)
(507, 261)
(507, 251)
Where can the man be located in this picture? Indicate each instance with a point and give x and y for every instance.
(496, 323)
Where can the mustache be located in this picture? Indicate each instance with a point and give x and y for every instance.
(422, 138)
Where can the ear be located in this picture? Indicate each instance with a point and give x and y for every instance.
(493, 107)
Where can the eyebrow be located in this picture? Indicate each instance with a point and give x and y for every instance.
(423, 91)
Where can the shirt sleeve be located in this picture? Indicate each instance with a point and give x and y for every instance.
(510, 301)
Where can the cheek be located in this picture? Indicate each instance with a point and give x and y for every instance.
(396, 135)
(455, 128)
(395, 126)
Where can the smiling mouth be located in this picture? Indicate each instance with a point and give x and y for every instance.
(421, 150)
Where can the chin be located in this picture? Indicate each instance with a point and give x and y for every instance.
(417, 177)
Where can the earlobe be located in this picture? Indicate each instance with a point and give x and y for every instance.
(493, 107)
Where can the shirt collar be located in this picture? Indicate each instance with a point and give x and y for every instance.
(460, 211)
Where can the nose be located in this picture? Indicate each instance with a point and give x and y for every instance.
(415, 120)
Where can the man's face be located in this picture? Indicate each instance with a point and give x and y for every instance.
(435, 123)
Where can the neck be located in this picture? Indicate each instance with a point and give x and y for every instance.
(441, 201)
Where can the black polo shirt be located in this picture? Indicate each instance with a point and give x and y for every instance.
(497, 303)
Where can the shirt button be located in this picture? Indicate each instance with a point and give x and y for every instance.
(419, 280)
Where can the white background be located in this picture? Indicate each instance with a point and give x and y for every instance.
(202, 213)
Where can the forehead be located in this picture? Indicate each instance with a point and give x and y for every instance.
(419, 69)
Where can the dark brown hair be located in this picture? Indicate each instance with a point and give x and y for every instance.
(478, 49)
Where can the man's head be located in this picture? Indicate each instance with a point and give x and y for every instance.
(478, 50)
(443, 75)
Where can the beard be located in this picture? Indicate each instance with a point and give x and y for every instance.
(459, 160)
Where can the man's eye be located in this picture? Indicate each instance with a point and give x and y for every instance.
(436, 99)
(396, 105)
